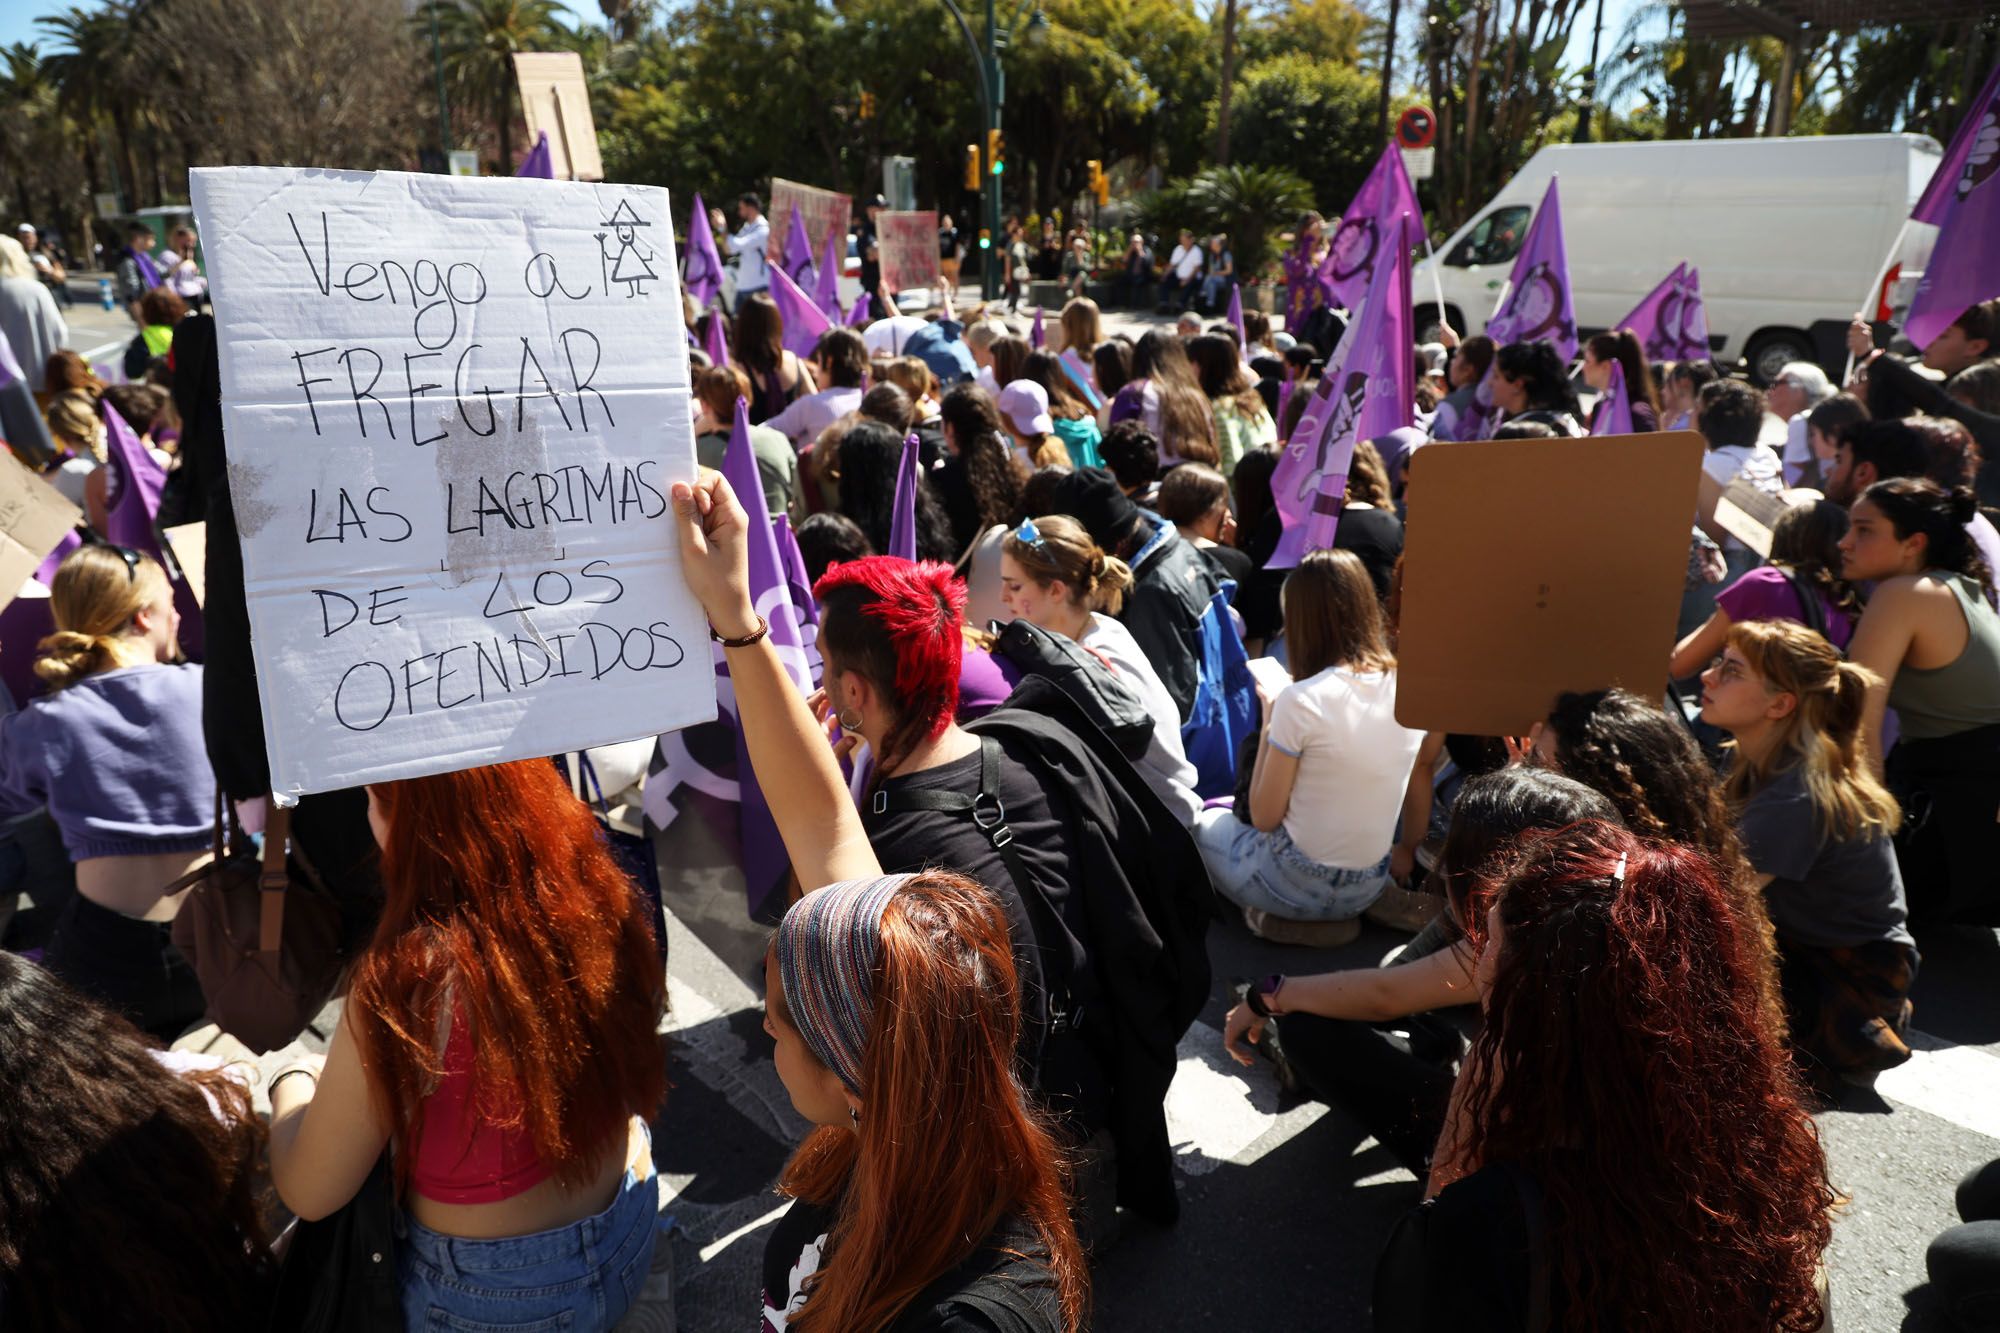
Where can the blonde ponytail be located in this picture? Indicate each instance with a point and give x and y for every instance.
(1111, 581)
(94, 599)
(66, 657)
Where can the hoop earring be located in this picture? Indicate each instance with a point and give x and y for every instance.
(854, 1118)
(845, 725)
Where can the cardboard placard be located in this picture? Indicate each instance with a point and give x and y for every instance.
(1531, 567)
(189, 544)
(455, 410)
(907, 244)
(820, 210)
(554, 98)
(1738, 510)
(34, 517)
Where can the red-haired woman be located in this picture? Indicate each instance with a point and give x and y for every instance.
(930, 1196)
(1645, 1162)
(501, 1032)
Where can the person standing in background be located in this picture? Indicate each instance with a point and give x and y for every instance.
(753, 275)
(949, 252)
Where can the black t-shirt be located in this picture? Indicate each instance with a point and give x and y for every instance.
(1004, 1286)
(1229, 563)
(871, 266)
(947, 242)
(1072, 1082)
(1376, 536)
(1463, 1263)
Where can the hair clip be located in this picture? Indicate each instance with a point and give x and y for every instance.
(1618, 875)
(1028, 534)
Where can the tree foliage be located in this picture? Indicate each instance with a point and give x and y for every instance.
(1251, 204)
(1310, 117)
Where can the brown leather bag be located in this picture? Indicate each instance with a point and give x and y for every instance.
(263, 934)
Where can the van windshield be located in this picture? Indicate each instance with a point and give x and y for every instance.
(1494, 239)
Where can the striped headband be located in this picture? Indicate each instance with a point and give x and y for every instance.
(827, 947)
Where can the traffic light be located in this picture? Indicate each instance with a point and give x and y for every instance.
(1100, 184)
(996, 151)
(985, 238)
(972, 167)
(867, 106)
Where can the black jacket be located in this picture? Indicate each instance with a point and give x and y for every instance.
(1173, 585)
(1895, 389)
(1148, 906)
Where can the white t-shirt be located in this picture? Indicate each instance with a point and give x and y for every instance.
(748, 244)
(1798, 452)
(1186, 261)
(1757, 464)
(68, 479)
(1165, 764)
(885, 337)
(1354, 762)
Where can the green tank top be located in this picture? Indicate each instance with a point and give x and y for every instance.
(1964, 693)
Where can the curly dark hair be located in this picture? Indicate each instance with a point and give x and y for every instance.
(993, 474)
(121, 1187)
(1628, 1066)
(869, 454)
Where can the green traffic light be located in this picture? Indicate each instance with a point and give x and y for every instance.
(999, 167)
(985, 243)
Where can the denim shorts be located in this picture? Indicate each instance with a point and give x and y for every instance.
(1266, 871)
(574, 1279)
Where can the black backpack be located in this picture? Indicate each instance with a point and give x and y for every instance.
(1105, 698)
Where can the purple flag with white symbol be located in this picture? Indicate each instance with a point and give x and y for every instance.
(804, 606)
(798, 263)
(132, 486)
(1537, 306)
(1377, 223)
(764, 859)
(703, 278)
(857, 318)
(903, 519)
(1235, 318)
(803, 320)
(1037, 337)
(1369, 389)
(712, 340)
(1694, 321)
(1614, 411)
(1963, 200)
(826, 291)
(538, 161)
(1656, 320)
(1285, 392)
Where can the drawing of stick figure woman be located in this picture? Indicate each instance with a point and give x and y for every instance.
(630, 265)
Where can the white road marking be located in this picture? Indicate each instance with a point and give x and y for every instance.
(1219, 1112)
(95, 352)
(721, 1243)
(1956, 1083)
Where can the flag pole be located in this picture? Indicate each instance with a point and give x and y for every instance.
(1875, 292)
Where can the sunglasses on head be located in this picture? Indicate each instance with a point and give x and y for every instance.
(131, 559)
(1029, 535)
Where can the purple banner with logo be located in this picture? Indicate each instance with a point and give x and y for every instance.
(903, 519)
(1375, 224)
(798, 263)
(712, 340)
(1537, 305)
(1670, 322)
(803, 320)
(132, 485)
(1368, 390)
(703, 278)
(1614, 413)
(826, 290)
(1963, 200)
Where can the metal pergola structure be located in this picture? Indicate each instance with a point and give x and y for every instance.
(1791, 20)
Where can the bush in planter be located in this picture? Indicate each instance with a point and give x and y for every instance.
(1251, 204)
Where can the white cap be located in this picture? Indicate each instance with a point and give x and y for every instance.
(25, 229)
(1025, 404)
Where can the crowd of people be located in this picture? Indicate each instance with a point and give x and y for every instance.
(1647, 941)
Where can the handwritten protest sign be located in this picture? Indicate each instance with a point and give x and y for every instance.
(908, 246)
(821, 211)
(455, 409)
(34, 517)
(1499, 613)
(1738, 510)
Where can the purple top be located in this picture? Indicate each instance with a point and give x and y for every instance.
(1765, 594)
(984, 682)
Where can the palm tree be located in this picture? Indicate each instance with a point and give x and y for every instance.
(95, 69)
(479, 40)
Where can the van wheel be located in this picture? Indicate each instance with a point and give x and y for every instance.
(1426, 321)
(1771, 350)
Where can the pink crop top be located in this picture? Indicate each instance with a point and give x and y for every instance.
(461, 1159)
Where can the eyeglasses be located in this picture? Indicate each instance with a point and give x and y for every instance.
(1726, 670)
(1029, 535)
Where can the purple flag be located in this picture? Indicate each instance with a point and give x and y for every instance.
(903, 518)
(1037, 338)
(1963, 200)
(1366, 234)
(764, 860)
(826, 293)
(1301, 283)
(1369, 389)
(803, 320)
(45, 573)
(537, 161)
(1694, 321)
(1614, 410)
(1235, 317)
(1285, 391)
(712, 340)
(803, 604)
(703, 278)
(798, 263)
(857, 318)
(132, 486)
(1656, 320)
(1537, 306)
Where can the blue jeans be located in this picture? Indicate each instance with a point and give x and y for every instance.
(1267, 872)
(574, 1279)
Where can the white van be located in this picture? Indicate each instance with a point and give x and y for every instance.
(1787, 234)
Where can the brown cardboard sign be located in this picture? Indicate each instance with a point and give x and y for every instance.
(908, 245)
(34, 517)
(1531, 567)
(554, 98)
(189, 543)
(1738, 510)
(821, 211)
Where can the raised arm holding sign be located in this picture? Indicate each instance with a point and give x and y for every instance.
(456, 408)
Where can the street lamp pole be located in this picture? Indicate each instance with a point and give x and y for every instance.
(992, 97)
(444, 108)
